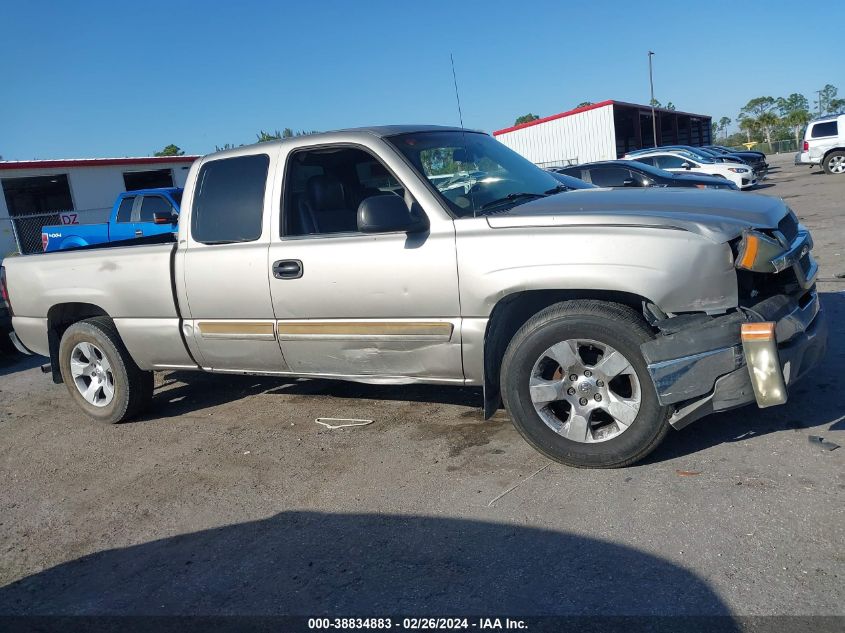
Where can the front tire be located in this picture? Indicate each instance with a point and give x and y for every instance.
(577, 386)
(100, 374)
(834, 163)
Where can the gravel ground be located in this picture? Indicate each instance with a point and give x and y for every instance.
(228, 499)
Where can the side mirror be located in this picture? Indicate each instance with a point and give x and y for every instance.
(686, 165)
(165, 217)
(390, 214)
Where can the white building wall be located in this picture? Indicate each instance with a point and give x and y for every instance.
(577, 138)
(93, 190)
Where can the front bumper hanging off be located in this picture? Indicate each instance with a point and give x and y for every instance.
(701, 366)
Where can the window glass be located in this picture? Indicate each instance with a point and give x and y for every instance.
(828, 128)
(609, 176)
(645, 160)
(124, 211)
(149, 179)
(570, 182)
(229, 200)
(575, 172)
(667, 161)
(151, 205)
(473, 173)
(324, 187)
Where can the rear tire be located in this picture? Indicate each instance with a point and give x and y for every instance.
(834, 163)
(100, 374)
(620, 422)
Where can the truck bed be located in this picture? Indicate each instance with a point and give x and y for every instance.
(133, 284)
(63, 236)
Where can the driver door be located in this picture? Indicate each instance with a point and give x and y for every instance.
(374, 307)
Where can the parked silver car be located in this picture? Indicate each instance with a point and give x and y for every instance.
(599, 317)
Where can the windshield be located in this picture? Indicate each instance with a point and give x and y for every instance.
(474, 173)
(701, 158)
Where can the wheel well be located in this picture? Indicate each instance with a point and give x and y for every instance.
(833, 149)
(59, 318)
(513, 311)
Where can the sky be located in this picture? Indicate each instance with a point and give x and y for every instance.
(118, 78)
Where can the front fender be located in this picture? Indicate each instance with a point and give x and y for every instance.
(677, 270)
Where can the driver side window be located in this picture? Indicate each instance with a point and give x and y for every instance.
(325, 186)
(667, 161)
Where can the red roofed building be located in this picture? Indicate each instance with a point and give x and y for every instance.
(603, 131)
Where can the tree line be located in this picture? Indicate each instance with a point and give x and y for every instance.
(778, 118)
(261, 137)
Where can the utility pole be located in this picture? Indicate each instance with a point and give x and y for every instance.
(651, 84)
(819, 100)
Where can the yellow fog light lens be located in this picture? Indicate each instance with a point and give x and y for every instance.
(759, 345)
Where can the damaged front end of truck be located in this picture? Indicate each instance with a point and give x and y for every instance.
(702, 363)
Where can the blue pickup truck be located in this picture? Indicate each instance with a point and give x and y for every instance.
(135, 214)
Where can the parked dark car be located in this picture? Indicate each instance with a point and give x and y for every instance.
(631, 173)
(570, 182)
(743, 151)
(757, 160)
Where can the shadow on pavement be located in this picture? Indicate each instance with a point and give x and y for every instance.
(310, 563)
(199, 391)
(15, 362)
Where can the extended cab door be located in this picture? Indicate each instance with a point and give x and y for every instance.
(230, 323)
(379, 307)
(150, 205)
(122, 226)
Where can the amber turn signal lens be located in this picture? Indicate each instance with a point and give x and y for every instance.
(764, 331)
(749, 255)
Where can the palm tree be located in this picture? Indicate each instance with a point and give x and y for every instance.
(767, 121)
(748, 125)
(724, 122)
(797, 119)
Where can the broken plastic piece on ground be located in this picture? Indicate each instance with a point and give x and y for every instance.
(326, 422)
(688, 473)
(822, 443)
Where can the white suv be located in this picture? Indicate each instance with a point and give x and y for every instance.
(824, 144)
(679, 161)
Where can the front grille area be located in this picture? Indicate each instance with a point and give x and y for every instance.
(805, 264)
(753, 287)
(788, 226)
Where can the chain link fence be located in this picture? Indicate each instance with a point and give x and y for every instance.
(775, 147)
(21, 234)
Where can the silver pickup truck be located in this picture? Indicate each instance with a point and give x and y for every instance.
(396, 255)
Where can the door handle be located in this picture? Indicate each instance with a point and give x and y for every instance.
(139, 233)
(287, 269)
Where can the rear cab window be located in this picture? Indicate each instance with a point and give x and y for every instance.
(228, 205)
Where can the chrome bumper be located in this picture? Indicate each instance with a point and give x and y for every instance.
(718, 379)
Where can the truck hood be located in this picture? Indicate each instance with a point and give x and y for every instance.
(716, 215)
